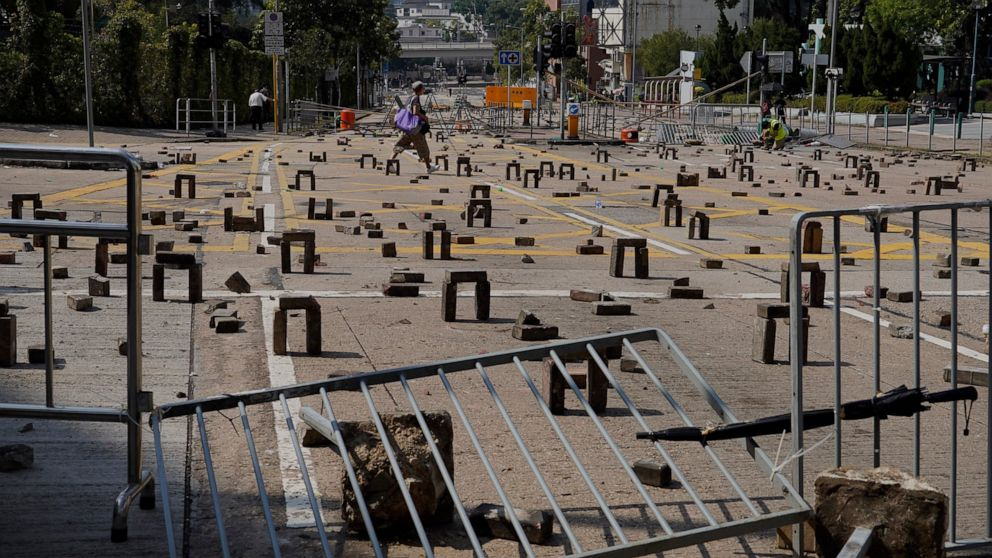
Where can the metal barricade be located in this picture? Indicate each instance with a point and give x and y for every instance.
(140, 483)
(873, 216)
(307, 115)
(196, 113)
(766, 502)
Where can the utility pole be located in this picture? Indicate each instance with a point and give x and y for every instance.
(88, 75)
(832, 80)
(275, 86)
(561, 100)
(974, 53)
(358, 77)
(213, 67)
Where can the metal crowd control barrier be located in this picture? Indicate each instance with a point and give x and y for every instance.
(694, 523)
(309, 115)
(193, 113)
(873, 216)
(140, 483)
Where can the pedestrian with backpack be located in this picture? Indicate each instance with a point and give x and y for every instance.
(413, 122)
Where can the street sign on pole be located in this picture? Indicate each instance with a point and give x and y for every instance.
(776, 59)
(745, 62)
(821, 59)
(509, 57)
(273, 23)
(573, 109)
(274, 45)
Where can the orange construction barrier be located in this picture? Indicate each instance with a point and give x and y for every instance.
(629, 135)
(347, 119)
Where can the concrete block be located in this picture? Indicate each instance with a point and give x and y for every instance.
(79, 303)
(99, 286)
(913, 514)
(653, 473)
(606, 308)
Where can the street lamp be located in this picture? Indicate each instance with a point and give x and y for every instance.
(698, 29)
(979, 4)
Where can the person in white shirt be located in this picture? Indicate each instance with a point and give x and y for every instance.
(256, 105)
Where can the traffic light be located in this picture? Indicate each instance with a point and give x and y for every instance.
(540, 60)
(570, 48)
(547, 47)
(211, 32)
(556, 43)
(760, 62)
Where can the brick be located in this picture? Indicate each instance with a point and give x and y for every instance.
(79, 303)
(465, 276)
(36, 354)
(60, 272)
(970, 262)
(630, 365)
(772, 310)
(611, 308)
(589, 250)
(8, 341)
(222, 313)
(237, 283)
(227, 325)
(406, 276)
(523, 241)
(388, 249)
(8, 258)
(685, 292)
(710, 263)
(401, 289)
(941, 273)
(763, 340)
(99, 286)
(653, 473)
(899, 296)
(585, 295)
(538, 332)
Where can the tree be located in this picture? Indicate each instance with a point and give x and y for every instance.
(853, 47)
(891, 62)
(329, 34)
(720, 62)
(659, 54)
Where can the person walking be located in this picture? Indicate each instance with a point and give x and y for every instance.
(414, 126)
(256, 106)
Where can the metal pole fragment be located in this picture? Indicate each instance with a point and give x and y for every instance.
(212, 480)
(259, 481)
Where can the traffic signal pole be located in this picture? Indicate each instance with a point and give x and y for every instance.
(561, 76)
(213, 66)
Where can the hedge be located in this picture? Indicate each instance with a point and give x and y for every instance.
(845, 103)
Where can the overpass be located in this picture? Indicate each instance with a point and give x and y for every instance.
(446, 50)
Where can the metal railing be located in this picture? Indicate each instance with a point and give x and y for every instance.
(305, 115)
(140, 483)
(873, 216)
(777, 503)
(197, 113)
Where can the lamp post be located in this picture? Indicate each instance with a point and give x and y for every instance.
(698, 29)
(979, 4)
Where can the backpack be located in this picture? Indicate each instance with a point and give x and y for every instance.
(405, 120)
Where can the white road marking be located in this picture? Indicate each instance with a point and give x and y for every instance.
(923, 336)
(266, 161)
(511, 191)
(270, 217)
(283, 373)
(629, 234)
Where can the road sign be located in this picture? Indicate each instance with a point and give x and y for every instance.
(274, 45)
(509, 57)
(746, 61)
(821, 59)
(273, 24)
(573, 109)
(779, 57)
(817, 28)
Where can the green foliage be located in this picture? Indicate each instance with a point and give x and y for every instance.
(140, 68)
(659, 54)
(922, 20)
(720, 59)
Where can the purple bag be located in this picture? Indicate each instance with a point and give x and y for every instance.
(406, 121)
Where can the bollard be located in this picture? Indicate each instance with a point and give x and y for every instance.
(930, 135)
(981, 133)
(885, 123)
(909, 112)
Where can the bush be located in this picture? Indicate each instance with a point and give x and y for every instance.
(733, 98)
(984, 84)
